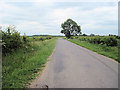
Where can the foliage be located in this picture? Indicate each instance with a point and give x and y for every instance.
(40, 38)
(70, 28)
(23, 57)
(103, 40)
(92, 34)
(11, 40)
(23, 65)
(84, 35)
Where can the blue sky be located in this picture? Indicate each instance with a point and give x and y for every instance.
(45, 17)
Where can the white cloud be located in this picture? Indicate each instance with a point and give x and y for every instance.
(42, 3)
(7, 10)
(60, 15)
(43, 17)
(97, 19)
(60, 0)
(85, 17)
(7, 7)
(30, 27)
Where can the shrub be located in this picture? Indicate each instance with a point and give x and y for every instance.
(11, 40)
(110, 41)
(41, 39)
(107, 40)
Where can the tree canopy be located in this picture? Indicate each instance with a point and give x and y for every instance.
(70, 28)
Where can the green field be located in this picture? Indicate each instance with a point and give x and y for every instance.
(22, 65)
(23, 57)
(105, 50)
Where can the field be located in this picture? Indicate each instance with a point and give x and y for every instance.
(20, 64)
(23, 57)
(105, 45)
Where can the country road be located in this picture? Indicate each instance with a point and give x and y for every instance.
(72, 66)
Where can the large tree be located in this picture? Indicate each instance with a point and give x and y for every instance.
(70, 28)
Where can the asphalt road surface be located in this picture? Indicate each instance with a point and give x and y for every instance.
(72, 66)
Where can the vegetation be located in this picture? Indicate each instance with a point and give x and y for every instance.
(70, 28)
(105, 45)
(24, 56)
(103, 40)
(11, 40)
(40, 38)
(21, 63)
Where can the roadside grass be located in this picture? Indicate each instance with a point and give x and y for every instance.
(19, 67)
(108, 51)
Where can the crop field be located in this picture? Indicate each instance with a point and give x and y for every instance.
(105, 45)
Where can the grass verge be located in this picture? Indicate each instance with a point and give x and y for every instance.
(23, 65)
(111, 52)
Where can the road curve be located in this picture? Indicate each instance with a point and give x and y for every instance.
(72, 66)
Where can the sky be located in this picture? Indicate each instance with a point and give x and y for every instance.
(41, 17)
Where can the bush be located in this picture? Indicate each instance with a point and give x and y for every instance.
(107, 40)
(11, 40)
(110, 41)
(48, 38)
(41, 39)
